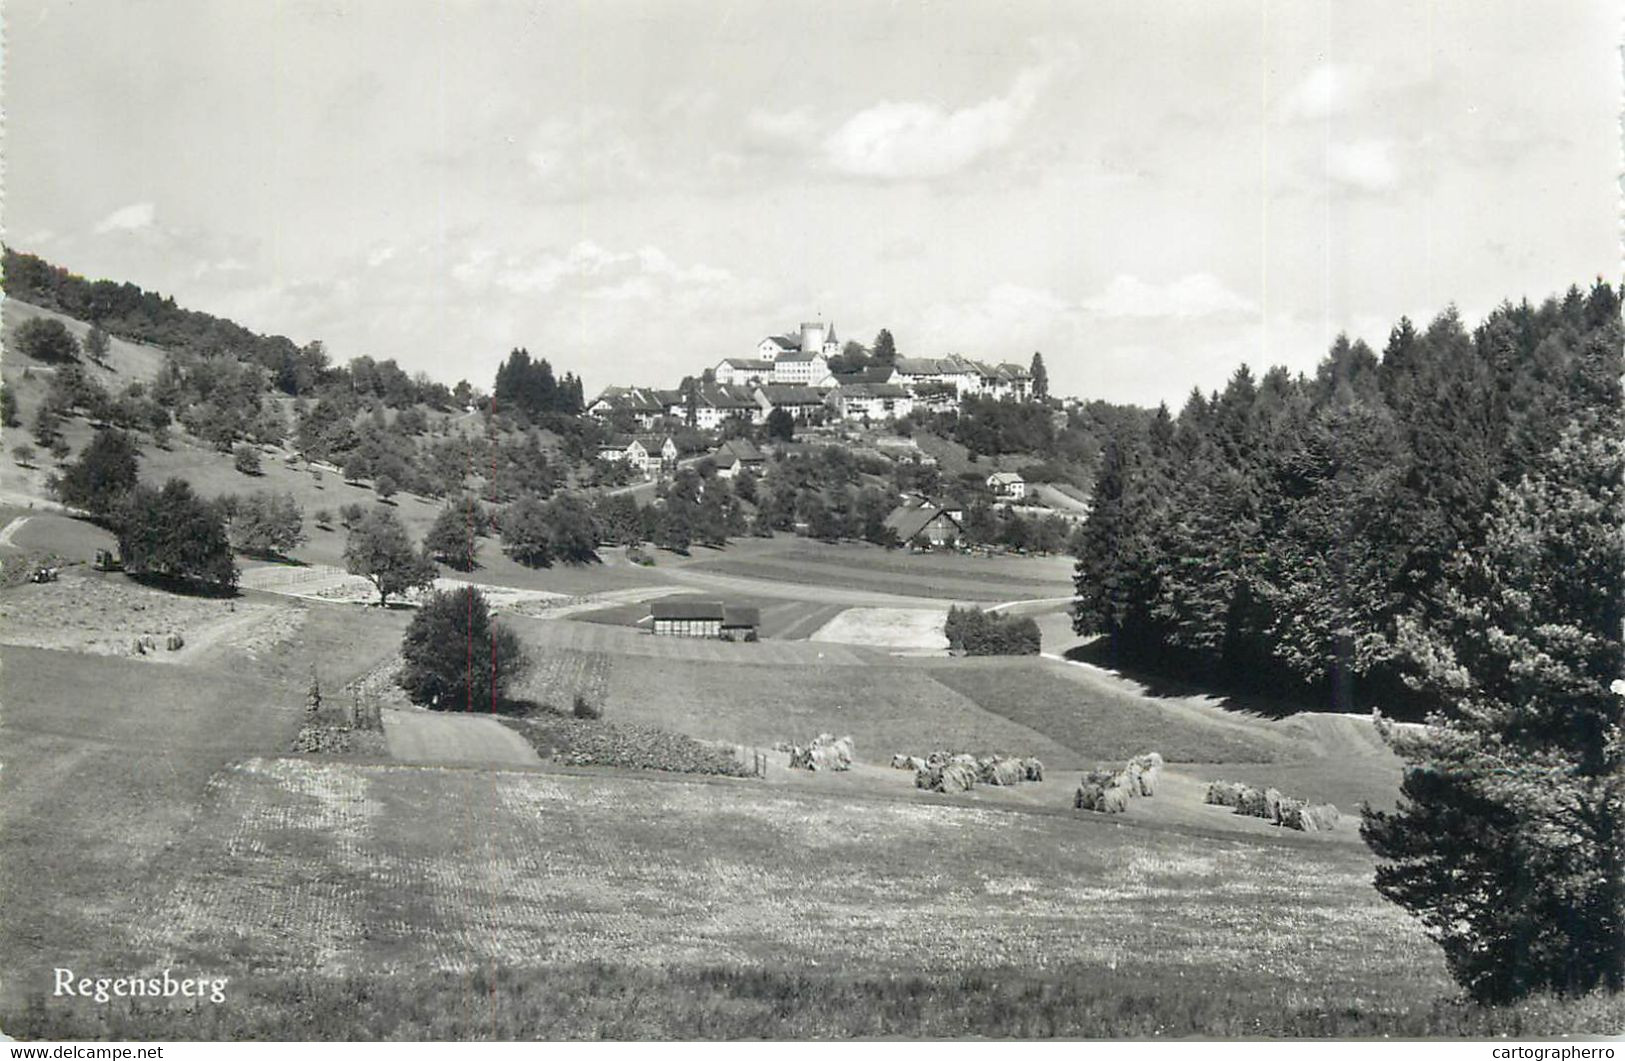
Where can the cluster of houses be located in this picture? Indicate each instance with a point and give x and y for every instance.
(792, 372)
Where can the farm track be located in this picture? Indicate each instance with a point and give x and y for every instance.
(432, 738)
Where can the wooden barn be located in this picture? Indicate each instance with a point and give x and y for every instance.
(704, 618)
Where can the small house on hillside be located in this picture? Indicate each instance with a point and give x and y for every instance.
(1007, 486)
(737, 455)
(925, 526)
(704, 619)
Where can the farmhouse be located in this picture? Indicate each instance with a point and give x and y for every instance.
(736, 455)
(704, 619)
(925, 526)
(1007, 486)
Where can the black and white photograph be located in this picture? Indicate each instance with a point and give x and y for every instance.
(812, 520)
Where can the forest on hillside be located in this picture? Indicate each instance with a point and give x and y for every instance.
(1277, 534)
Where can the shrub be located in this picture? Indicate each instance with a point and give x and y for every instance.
(324, 518)
(456, 657)
(246, 459)
(351, 514)
(975, 632)
(24, 455)
(585, 708)
(45, 339)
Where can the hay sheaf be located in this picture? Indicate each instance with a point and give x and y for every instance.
(997, 770)
(1033, 769)
(826, 752)
(946, 777)
(1109, 791)
(907, 762)
(1102, 791)
(1269, 804)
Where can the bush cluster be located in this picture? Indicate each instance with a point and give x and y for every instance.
(974, 632)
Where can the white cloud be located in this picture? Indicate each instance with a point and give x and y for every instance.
(380, 256)
(1363, 165)
(1010, 321)
(1329, 90)
(1195, 295)
(901, 141)
(128, 218)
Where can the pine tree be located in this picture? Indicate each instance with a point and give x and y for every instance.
(1509, 840)
(1040, 377)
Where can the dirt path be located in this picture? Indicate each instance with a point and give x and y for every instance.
(432, 738)
(12, 528)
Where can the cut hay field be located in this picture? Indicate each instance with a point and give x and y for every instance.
(914, 629)
(885, 708)
(944, 576)
(295, 869)
(1102, 723)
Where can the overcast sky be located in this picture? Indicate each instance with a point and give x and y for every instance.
(1148, 193)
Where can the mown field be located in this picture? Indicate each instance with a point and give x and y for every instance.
(943, 576)
(293, 868)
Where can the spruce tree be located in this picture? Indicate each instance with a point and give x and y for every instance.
(1509, 839)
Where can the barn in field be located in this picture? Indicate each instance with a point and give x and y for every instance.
(704, 618)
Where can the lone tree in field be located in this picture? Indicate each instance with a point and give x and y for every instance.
(46, 339)
(379, 550)
(267, 524)
(104, 473)
(96, 344)
(452, 539)
(456, 658)
(175, 534)
(1509, 839)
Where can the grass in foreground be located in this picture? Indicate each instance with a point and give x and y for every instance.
(597, 1001)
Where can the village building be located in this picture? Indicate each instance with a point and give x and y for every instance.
(642, 405)
(648, 454)
(716, 403)
(800, 369)
(871, 401)
(1007, 486)
(742, 371)
(804, 404)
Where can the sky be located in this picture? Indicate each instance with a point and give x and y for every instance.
(1148, 193)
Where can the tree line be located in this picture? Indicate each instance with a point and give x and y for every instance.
(1279, 530)
(1444, 522)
